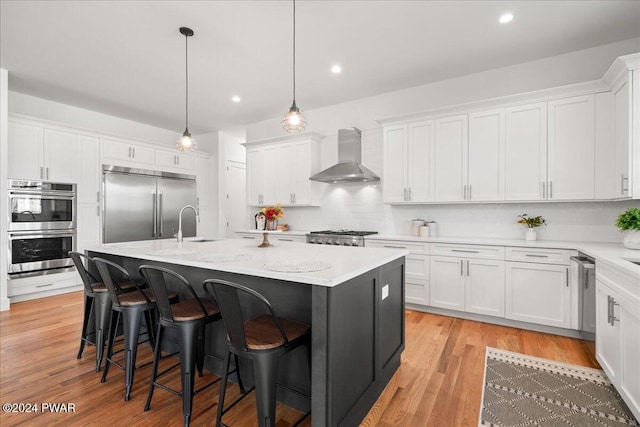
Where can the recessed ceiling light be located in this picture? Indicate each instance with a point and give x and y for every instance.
(336, 69)
(235, 98)
(506, 17)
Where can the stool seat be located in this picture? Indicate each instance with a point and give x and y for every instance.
(135, 298)
(187, 310)
(262, 333)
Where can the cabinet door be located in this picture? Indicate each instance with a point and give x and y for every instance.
(186, 161)
(89, 173)
(485, 287)
(166, 159)
(254, 177)
(205, 185)
(417, 279)
(60, 151)
(88, 225)
(621, 132)
(486, 155)
(301, 166)
(526, 152)
(571, 149)
(25, 152)
(143, 154)
(420, 149)
(538, 293)
(450, 165)
(116, 150)
(446, 282)
(629, 324)
(270, 166)
(607, 336)
(206, 226)
(284, 174)
(394, 184)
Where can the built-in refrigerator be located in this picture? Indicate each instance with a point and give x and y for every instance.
(141, 204)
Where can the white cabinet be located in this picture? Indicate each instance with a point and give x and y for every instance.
(88, 226)
(39, 153)
(486, 156)
(408, 162)
(538, 293)
(447, 282)
(622, 133)
(89, 172)
(526, 151)
(450, 164)
(279, 172)
(618, 331)
(571, 149)
(416, 267)
(175, 160)
(118, 151)
(205, 185)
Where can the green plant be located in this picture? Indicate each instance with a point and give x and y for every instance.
(531, 221)
(629, 220)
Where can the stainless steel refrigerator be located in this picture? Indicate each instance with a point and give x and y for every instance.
(143, 205)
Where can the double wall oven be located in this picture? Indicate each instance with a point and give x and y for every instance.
(42, 227)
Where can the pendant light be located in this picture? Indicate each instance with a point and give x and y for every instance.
(186, 142)
(294, 121)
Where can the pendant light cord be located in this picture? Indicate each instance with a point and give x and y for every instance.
(186, 73)
(294, 51)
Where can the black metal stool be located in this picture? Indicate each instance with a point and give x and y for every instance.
(131, 305)
(189, 318)
(262, 340)
(96, 299)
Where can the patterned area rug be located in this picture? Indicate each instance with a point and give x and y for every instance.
(521, 390)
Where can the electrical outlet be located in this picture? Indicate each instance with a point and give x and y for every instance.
(385, 291)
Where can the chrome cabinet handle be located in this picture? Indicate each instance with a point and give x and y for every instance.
(467, 268)
(544, 189)
(405, 195)
(465, 251)
(464, 192)
(44, 286)
(134, 151)
(613, 312)
(41, 172)
(461, 267)
(537, 256)
(609, 309)
(551, 189)
(469, 191)
(622, 188)
(129, 152)
(409, 191)
(567, 277)
(47, 172)
(294, 197)
(395, 247)
(286, 240)
(247, 237)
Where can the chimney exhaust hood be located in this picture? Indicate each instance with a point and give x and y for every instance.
(348, 168)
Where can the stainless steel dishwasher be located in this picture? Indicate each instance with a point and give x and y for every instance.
(583, 269)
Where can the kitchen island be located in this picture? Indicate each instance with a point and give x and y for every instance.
(354, 301)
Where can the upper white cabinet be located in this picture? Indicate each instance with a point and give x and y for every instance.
(175, 160)
(486, 156)
(119, 151)
(526, 151)
(88, 169)
(39, 153)
(278, 172)
(408, 163)
(571, 148)
(450, 166)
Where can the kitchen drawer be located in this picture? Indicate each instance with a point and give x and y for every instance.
(417, 266)
(250, 236)
(413, 247)
(467, 251)
(539, 255)
(30, 285)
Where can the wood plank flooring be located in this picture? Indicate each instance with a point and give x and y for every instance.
(438, 384)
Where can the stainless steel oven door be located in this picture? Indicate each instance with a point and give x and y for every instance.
(41, 211)
(40, 251)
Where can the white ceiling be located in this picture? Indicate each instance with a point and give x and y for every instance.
(126, 58)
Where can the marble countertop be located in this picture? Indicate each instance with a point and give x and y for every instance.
(244, 257)
(611, 253)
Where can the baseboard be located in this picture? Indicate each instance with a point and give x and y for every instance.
(4, 304)
(44, 294)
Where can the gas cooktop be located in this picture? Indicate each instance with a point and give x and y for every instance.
(345, 232)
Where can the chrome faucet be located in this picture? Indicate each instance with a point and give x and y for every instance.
(180, 220)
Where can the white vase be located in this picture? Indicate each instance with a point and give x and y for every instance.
(530, 234)
(631, 239)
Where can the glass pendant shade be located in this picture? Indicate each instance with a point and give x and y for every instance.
(186, 142)
(293, 121)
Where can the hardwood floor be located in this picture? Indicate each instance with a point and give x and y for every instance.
(439, 382)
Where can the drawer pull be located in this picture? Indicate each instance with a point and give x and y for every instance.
(286, 240)
(44, 286)
(247, 237)
(537, 256)
(465, 251)
(395, 247)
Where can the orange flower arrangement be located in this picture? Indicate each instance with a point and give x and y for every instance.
(273, 212)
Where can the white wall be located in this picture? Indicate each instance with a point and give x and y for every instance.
(4, 95)
(360, 206)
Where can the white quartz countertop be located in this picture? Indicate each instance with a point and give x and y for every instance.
(611, 253)
(244, 257)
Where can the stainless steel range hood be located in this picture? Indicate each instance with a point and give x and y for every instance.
(348, 168)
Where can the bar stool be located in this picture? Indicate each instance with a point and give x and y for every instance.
(96, 298)
(131, 305)
(262, 339)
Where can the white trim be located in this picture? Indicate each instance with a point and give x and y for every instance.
(285, 138)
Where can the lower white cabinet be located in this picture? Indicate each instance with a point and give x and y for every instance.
(538, 293)
(618, 332)
(88, 227)
(471, 285)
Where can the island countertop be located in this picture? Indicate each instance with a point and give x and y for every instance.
(244, 257)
